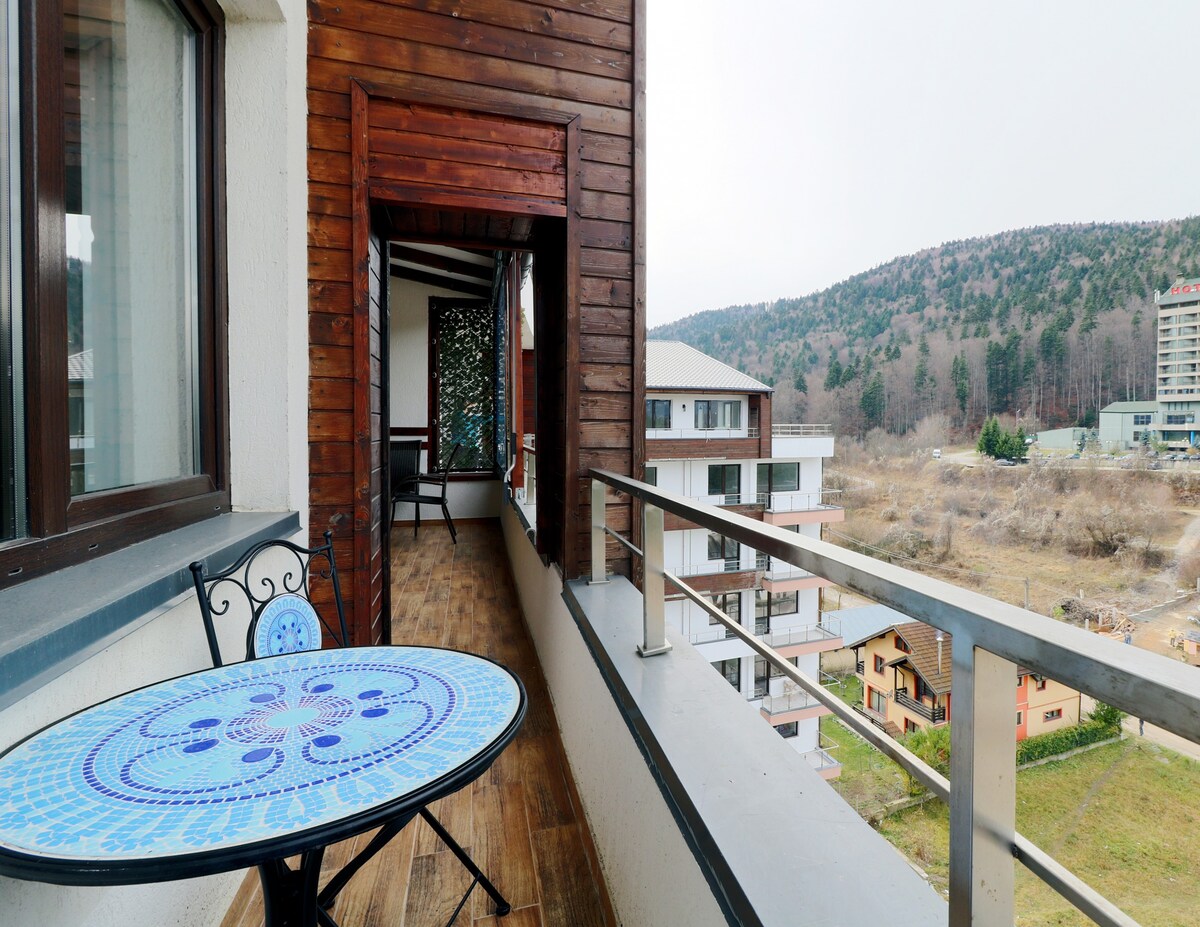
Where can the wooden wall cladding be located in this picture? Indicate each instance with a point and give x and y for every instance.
(437, 72)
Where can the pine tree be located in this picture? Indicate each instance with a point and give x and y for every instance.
(873, 402)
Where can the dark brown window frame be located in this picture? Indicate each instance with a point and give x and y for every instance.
(63, 531)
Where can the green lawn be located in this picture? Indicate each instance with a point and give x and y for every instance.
(868, 779)
(1122, 817)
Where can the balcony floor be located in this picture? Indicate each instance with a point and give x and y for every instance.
(520, 820)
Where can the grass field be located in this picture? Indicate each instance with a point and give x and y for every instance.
(1122, 817)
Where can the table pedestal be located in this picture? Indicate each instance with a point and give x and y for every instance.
(290, 895)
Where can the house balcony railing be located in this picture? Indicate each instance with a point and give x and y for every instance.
(713, 567)
(820, 759)
(802, 635)
(710, 635)
(801, 431)
(799, 501)
(932, 714)
(991, 639)
(796, 700)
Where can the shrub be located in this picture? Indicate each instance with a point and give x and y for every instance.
(1056, 742)
(1189, 569)
(1108, 715)
(932, 745)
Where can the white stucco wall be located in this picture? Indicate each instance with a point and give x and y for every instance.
(651, 875)
(266, 109)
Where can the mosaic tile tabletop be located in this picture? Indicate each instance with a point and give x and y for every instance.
(250, 751)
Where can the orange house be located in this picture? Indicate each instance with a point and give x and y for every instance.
(906, 675)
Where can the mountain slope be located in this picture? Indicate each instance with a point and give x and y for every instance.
(1055, 321)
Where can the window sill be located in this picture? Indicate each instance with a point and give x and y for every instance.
(55, 622)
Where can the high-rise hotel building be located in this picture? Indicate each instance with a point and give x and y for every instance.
(1178, 366)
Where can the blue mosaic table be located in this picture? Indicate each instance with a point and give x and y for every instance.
(253, 761)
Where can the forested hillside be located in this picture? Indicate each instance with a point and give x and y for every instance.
(1052, 322)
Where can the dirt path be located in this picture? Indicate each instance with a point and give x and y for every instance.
(1155, 735)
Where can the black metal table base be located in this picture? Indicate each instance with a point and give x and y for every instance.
(291, 897)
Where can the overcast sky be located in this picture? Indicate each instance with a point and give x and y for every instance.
(793, 143)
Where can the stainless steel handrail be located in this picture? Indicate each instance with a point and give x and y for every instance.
(990, 639)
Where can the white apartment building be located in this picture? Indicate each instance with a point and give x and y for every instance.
(1178, 363)
(710, 436)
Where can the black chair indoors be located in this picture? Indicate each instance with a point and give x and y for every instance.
(411, 492)
(404, 469)
(270, 584)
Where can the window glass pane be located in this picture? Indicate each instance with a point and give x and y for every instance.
(785, 477)
(131, 234)
(12, 431)
(651, 476)
(658, 413)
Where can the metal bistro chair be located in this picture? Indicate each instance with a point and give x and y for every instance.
(283, 619)
(410, 491)
(404, 468)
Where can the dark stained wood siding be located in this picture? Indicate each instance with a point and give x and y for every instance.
(434, 72)
(700, 448)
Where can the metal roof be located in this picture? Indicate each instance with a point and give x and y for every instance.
(675, 365)
(1150, 406)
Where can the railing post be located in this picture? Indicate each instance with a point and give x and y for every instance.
(983, 799)
(654, 626)
(599, 566)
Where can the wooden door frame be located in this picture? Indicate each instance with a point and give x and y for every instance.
(364, 192)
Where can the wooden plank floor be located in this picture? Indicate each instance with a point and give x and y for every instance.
(520, 821)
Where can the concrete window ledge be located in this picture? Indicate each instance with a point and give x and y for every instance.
(775, 843)
(50, 624)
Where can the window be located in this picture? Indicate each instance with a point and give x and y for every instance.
(900, 644)
(728, 602)
(762, 677)
(1052, 715)
(651, 476)
(767, 604)
(731, 670)
(1019, 717)
(726, 549)
(725, 480)
(1141, 420)
(658, 413)
(922, 691)
(1041, 684)
(879, 662)
(876, 701)
(776, 477)
(124, 412)
(718, 413)
(910, 726)
(788, 730)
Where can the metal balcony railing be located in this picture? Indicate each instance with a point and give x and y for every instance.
(991, 639)
(802, 635)
(799, 501)
(789, 701)
(931, 714)
(801, 431)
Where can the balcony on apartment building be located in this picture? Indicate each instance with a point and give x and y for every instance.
(677, 707)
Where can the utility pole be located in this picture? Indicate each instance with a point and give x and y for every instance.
(1026, 593)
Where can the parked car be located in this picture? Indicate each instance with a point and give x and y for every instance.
(937, 453)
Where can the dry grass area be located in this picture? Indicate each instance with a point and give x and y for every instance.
(1062, 526)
